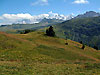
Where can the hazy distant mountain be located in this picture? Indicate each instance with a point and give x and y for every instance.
(50, 16)
(8, 19)
(51, 21)
(88, 14)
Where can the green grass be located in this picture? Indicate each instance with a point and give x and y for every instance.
(37, 54)
(46, 69)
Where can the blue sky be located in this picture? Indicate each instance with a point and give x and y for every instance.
(36, 7)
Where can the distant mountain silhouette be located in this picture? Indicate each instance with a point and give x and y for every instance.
(88, 14)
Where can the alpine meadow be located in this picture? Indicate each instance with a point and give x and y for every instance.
(49, 37)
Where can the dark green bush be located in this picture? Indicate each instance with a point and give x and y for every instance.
(50, 32)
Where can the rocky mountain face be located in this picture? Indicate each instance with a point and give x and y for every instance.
(88, 14)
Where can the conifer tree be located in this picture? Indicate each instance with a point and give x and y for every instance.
(50, 32)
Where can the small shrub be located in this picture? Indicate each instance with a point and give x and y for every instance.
(80, 42)
(66, 43)
(50, 32)
(83, 46)
(95, 47)
(26, 31)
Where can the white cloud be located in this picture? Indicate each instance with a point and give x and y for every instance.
(40, 2)
(7, 19)
(81, 2)
(13, 18)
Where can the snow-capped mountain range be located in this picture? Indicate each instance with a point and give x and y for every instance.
(7, 19)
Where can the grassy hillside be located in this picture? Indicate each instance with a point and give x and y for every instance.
(37, 54)
(81, 29)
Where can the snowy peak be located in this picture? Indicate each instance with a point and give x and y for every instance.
(58, 16)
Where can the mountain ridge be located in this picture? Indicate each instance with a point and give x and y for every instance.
(81, 29)
(88, 14)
